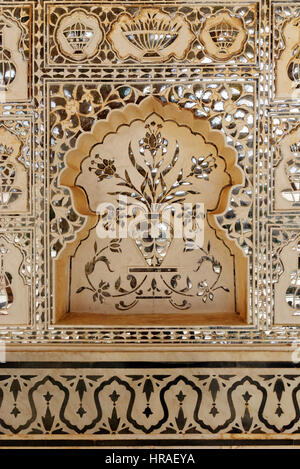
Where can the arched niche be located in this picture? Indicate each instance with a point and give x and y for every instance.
(152, 153)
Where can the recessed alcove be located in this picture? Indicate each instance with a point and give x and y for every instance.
(154, 155)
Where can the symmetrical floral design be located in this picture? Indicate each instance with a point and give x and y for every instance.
(78, 35)
(102, 290)
(151, 36)
(152, 163)
(152, 191)
(153, 140)
(223, 35)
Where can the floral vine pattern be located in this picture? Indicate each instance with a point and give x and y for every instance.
(101, 291)
(94, 104)
(91, 104)
(153, 191)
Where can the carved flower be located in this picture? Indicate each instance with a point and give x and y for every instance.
(72, 107)
(205, 291)
(203, 166)
(230, 107)
(153, 140)
(104, 169)
(236, 219)
(102, 292)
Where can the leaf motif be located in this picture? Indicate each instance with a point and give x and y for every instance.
(114, 421)
(180, 175)
(128, 194)
(127, 176)
(133, 281)
(95, 296)
(163, 186)
(141, 170)
(192, 192)
(174, 160)
(89, 268)
(124, 184)
(105, 293)
(144, 184)
(131, 155)
(148, 199)
(180, 420)
(79, 290)
(105, 260)
(95, 247)
(114, 245)
(118, 283)
(174, 280)
(151, 186)
(167, 169)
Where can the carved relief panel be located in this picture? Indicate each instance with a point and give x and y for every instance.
(15, 53)
(188, 87)
(15, 162)
(284, 182)
(79, 35)
(159, 158)
(128, 34)
(161, 118)
(285, 161)
(286, 52)
(223, 35)
(15, 277)
(285, 275)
